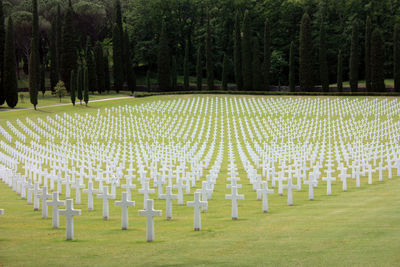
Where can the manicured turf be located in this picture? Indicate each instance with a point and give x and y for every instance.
(360, 227)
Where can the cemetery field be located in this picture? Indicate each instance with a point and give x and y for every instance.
(207, 142)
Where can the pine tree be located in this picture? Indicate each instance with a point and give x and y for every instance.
(174, 74)
(323, 61)
(118, 69)
(99, 62)
(354, 61)
(91, 66)
(238, 54)
(257, 76)
(80, 84)
(107, 83)
(340, 72)
(396, 57)
(130, 74)
(377, 62)
(73, 87)
(34, 66)
(368, 32)
(267, 55)
(225, 67)
(2, 48)
(164, 61)
(186, 68)
(246, 54)
(86, 85)
(10, 65)
(53, 56)
(68, 54)
(209, 57)
(199, 70)
(305, 55)
(292, 79)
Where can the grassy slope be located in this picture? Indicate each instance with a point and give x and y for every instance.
(360, 227)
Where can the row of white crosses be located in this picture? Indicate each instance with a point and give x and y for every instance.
(170, 145)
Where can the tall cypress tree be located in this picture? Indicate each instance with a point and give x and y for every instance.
(42, 80)
(119, 46)
(323, 61)
(257, 76)
(164, 60)
(80, 84)
(340, 72)
(118, 69)
(72, 87)
(246, 54)
(209, 56)
(292, 66)
(130, 74)
(377, 62)
(225, 68)
(396, 57)
(53, 56)
(107, 83)
(174, 74)
(59, 26)
(2, 47)
(148, 81)
(91, 66)
(368, 32)
(68, 54)
(267, 55)
(237, 54)
(305, 55)
(99, 62)
(354, 58)
(186, 68)
(86, 85)
(34, 64)
(10, 65)
(199, 70)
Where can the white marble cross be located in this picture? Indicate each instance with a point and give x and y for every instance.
(146, 191)
(150, 213)
(344, 176)
(105, 196)
(36, 191)
(329, 179)
(311, 184)
(69, 213)
(128, 187)
(265, 191)
(124, 204)
(234, 196)
(168, 196)
(197, 204)
(90, 191)
(290, 188)
(44, 196)
(55, 202)
(78, 186)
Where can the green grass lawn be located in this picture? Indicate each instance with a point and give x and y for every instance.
(360, 227)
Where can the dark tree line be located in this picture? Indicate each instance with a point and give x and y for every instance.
(261, 46)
